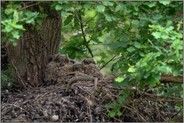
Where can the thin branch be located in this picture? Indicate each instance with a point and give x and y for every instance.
(108, 62)
(29, 6)
(171, 79)
(91, 19)
(83, 34)
(161, 98)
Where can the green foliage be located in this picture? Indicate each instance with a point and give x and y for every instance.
(14, 18)
(115, 108)
(146, 37)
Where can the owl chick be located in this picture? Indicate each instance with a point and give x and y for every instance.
(88, 61)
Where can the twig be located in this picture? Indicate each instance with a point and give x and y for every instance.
(171, 79)
(162, 98)
(16, 107)
(28, 6)
(91, 117)
(83, 34)
(75, 79)
(176, 113)
(134, 110)
(108, 62)
(91, 19)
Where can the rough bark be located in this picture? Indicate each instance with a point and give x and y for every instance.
(171, 79)
(31, 55)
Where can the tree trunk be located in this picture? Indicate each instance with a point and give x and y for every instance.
(31, 55)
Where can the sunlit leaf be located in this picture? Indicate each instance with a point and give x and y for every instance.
(58, 7)
(131, 69)
(100, 8)
(119, 79)
(157, 35)
(165, 2)
(151, 4)
(16, 34)
(108, 3)
(108, 17)
(15, 17)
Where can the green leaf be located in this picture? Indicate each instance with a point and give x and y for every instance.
(8, 29)
(141, 54)
(168, 70)
(9, 11)
(109, 106)
(90, 13)
(135, 23)
(123, 83)
(125, 92)
(169, 28)
(137, 44)
(108, 3)
(131, 49)
(30, 14)
(170, 61)
(119, 113)
(151, 4)
(112, 114)
(131, 69)
(157, 35)
(30, 21)
(87, 6)
(177, 44)
(165, 69)
(164, 36)
(58, 7)
(76, 22)
(63, 14)
(68, 19)
(119, 7)
(165, 2)
(15, 17)
(14, 43)
(16, 34)
(108, 17)
(179, 35)
(17, 26)
(100, 8)
(119, 79)
(63, 1)
(176, 73)
(30, 17)
(121, 99)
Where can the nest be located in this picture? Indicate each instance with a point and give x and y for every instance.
(82, 103)
(68, 96)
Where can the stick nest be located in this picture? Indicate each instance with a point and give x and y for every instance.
(75, 92)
